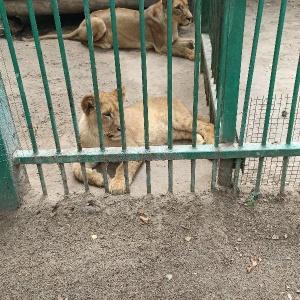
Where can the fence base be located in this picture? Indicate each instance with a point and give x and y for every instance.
(13, 179)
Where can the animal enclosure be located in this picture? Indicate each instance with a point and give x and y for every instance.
(219, 48)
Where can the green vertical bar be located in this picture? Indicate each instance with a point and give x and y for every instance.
(169, 66)
(18, 75)
(220, 90)
(197, 17)
(21, 89)
(170, 96)
(118, 69)
(46, 88)
(196, 69)
(119, 84)
(66, 70)
(193, 171)
(43, 72)
(68, 85)
(271, 89)
(145, 93)
(93, 70)
(291, 126)
(95, 83)
(214, 175)
(205, 15)
(12, 178)
(236, 10)
(144, 72)
(248, 89)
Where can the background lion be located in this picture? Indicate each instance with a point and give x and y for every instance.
(158, 131)
(129, 29)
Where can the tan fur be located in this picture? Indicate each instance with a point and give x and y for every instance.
(129, 29)
(158, 131)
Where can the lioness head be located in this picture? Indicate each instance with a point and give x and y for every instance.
(181, 12)
(109, 112)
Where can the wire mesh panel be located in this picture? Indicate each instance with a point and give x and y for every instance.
(278, 128)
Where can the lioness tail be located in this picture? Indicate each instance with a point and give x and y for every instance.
(67, 36)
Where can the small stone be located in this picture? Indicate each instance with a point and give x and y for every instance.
(239, 239)
(298, 292)
(275, 237)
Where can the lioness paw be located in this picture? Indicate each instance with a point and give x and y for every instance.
(117, 186)
(200, 139)
(96, 178)
(191, 56)
(192, 44)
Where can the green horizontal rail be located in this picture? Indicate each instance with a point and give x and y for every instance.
(179, 152)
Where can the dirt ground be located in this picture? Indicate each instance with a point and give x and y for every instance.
(180, 246)
(195, 246)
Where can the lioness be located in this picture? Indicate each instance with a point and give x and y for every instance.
(128, 29)
(158, 131)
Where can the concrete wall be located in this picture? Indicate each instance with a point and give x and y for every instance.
(43, 7)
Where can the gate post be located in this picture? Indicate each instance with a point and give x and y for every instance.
(13, 179)
(230, 90)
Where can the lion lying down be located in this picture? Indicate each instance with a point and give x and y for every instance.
(158, 127)
(129, 29)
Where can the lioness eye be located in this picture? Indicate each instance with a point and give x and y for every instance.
(107, 115)
(178, 7)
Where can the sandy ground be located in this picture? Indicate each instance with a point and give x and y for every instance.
(96, 246)
(195, 246)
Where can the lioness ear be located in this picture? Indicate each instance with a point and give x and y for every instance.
(115, 92)
(88, 104)
(123, 92)
(164, 3)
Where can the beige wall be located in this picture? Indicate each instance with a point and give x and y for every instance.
(43, 7)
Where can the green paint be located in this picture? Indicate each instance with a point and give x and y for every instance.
(271, 89)
(228, 94)
(12, 178)
(119, 83)
(291, 126)
(145, 92)
(95, 81)
(248, 88)
(21, 89)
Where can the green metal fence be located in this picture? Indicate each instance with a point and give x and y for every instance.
(218, 52)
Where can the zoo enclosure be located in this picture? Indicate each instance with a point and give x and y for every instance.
(221, 48)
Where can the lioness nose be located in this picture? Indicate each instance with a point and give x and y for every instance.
(189, 18)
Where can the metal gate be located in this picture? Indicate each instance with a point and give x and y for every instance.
(218, 51)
